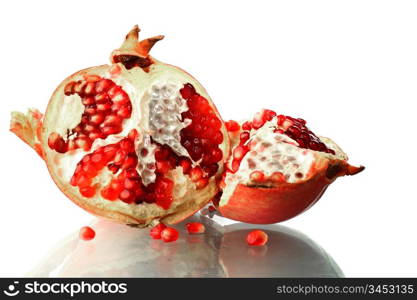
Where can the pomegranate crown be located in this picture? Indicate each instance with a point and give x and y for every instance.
(135, 53)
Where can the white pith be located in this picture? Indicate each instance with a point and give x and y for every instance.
(165, 108)
(271, 152)
(142, 88)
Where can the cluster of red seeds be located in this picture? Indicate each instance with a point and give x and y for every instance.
(106, 106)
(166, 160)
(295, 129)
(305, 138)
(203, 136)
(127, 185)
(167, 234)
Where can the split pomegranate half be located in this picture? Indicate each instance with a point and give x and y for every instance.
(278, 169)
(134, 141)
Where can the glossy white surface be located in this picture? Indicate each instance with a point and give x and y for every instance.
(121, 251)
(347, 67)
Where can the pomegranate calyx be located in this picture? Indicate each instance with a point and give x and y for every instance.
(28, 128)
(135, 53)
(342, 169)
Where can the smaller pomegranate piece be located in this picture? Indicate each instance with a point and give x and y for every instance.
(155, 232)
(278, 169)
(169, 234)
(195, 228)
(257, 238)
(87, 233)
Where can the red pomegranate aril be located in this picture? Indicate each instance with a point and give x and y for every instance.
(112, 120)
(247, 126)
(88, 191)
(232, 126)
(169, 234)
(88, 101)
(127, 196)
(257, 176)
(89, 170)
(235, 165)
(185, 164)
(187, 91)
(201, 183)
(119, 97)
(103, 106)
(116, 185)
(83, 143)
(113, 91)
(103, 85)
(69, 88)
(161, 154)
(125, 112)
(130, 161)
(196, 174)
(110, 151)
(278, 177)
(87, 233)
(131, 173)
(56, 142)
(98, 158)
(195, 228)
(155, 232)
(95, 135)
(240, 152)
(90, 88)
(257, 238)
(120, 157)
(244, 137)
(79, 87)
(258, 121)
(269, 114)
(314, 145)
(301, 143)
(97, 119)
(109, 194)
(211, 169)
(331, 151)
(281, 119)
(113, 168)
(294, 131)
(163, 167)
(131, 184)
(83, 180)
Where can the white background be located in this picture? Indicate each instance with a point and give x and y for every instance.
(348, 67)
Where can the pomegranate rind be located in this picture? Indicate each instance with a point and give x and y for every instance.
(268, 205)
(28, 128)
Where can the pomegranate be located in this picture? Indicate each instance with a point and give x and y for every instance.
(137, 141)
(278, 169)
